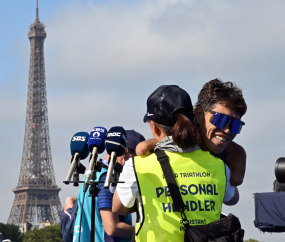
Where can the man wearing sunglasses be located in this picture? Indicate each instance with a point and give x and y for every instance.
(218, 111)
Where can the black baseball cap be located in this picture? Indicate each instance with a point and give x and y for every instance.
(134, 138)
(166, 102)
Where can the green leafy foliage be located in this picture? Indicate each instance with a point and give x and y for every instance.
(48, 234)
(11, 232)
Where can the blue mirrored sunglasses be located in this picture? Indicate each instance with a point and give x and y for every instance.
(222, 120)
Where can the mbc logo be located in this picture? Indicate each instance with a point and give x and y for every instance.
(78, 138)
(114, 134)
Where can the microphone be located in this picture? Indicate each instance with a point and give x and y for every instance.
(116, 143)
(96, 145)
(79, 151)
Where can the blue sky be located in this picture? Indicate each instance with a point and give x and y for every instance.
(104, 58)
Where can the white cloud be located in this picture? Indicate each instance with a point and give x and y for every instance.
(95, 46)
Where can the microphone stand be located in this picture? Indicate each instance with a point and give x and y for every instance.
(110, 172)
(117, 170)
(78, 170)
(93, 192)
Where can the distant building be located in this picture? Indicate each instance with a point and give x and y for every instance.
(24, 227)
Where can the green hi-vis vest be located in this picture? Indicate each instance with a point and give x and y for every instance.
(201, 179)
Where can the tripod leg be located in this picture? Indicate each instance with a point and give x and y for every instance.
(92, 237)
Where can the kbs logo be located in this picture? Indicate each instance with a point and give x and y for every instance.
(98, 130)
(118, 134)
(78, 138)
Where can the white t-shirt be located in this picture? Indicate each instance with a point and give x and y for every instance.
(128, 191)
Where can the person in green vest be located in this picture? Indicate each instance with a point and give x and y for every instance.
(203, 180)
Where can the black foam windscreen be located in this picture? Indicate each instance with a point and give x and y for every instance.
(79, 144)
(116, 141)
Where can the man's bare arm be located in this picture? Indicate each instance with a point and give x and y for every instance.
(112, 225)
(146, 147)
(119, 208)
(236, 162)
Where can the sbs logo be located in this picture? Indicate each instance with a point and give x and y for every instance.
(78, 138)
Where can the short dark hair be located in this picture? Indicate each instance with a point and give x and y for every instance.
(226, 93)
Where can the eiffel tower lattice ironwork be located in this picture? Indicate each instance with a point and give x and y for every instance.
(36, 196)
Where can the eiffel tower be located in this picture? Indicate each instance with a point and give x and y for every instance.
(36, 196)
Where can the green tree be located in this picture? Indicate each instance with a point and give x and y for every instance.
(11, 232)
(48, 234)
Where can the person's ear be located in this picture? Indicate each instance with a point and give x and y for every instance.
(198, 115)
(152, 126)
(156, 129)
